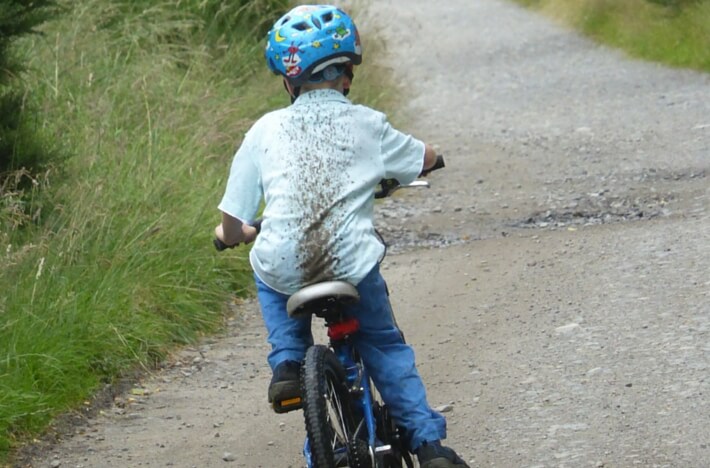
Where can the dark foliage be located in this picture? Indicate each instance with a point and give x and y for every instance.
(18, 147)
(18, 18)
(676, 4)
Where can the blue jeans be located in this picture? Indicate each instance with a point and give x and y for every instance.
(389, 360)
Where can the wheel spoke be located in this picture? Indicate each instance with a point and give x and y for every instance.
(336, 418)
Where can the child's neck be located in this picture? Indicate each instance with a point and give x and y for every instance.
(337, 85)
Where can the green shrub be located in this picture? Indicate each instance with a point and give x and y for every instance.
(18, 18)
(24, 149)
(18, 143)
(678, 4)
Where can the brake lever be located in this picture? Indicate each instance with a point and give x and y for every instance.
(389, 186)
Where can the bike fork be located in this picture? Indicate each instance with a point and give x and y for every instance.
(307, 453)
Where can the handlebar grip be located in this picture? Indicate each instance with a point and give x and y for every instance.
(439, 164)
(220, 246)
(387, 186)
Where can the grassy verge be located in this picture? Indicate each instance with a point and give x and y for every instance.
(107, 262)
(116, 268)
(674, 32)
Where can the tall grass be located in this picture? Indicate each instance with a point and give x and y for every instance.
(149, 105)
(674, 32)
(112, 266)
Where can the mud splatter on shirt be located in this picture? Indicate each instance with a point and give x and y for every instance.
(320, 176)
(316, 164)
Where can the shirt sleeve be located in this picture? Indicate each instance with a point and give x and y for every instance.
(242, 197)
(402, 155)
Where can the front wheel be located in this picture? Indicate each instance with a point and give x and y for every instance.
(326, 408)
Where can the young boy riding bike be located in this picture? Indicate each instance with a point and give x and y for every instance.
(316, 164)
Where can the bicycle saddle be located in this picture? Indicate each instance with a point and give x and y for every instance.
(321, 299)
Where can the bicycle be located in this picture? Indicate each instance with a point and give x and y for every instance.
(346, 424)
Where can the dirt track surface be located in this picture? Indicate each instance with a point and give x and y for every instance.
(554, 281)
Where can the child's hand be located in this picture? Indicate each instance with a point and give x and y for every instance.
(249, 233)
(243, 234)
(219, 232)
(219, 242)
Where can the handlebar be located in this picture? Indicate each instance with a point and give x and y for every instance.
(387, 186)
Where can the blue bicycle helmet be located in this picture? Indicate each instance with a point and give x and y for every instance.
(310, 38)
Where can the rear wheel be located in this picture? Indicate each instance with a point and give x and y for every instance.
(359, 454)
(326, 408)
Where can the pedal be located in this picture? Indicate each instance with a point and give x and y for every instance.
(285, 406)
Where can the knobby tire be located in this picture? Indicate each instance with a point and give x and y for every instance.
(326, 408)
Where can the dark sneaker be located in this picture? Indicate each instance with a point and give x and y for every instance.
(434, 455)
(285, 387)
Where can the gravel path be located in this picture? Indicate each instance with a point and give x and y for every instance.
(554, 281)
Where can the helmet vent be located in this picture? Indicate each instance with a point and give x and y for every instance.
(300, 26)
(317, 24)
(327, 18)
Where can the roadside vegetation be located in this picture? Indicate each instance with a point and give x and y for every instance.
(674, 32)
(125, 117)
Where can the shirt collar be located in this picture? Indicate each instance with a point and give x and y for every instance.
(321, 95)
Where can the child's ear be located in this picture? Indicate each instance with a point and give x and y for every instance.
(349, 74)
(293, 91)
(348, 78)
(288, 87)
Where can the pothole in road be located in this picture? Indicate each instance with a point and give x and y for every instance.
(600, 208)
(647, 201)
(393, 221)
(649, 195)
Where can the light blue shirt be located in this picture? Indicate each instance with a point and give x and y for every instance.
(316, 164)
